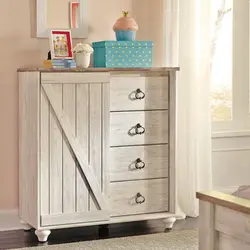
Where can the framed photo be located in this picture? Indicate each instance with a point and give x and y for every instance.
(74, 14)
(61, 44)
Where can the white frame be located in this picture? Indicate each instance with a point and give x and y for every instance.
(44, 32)
(52, 47)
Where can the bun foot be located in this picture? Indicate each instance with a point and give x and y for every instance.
(42, 235)
(169, 223)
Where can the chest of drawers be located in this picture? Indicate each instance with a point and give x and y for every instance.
(96, 147)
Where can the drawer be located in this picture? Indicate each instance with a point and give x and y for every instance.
(138, 197)
(140, 162)
(139, 128)
(127, 93)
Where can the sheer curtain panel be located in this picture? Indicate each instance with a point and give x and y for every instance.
(188, 44)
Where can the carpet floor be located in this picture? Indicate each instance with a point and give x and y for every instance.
(175, 240)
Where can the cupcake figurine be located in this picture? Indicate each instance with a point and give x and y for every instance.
(125, 28)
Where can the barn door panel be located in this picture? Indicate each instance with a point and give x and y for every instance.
(73, 152)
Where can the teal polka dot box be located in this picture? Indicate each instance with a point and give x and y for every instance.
(123, 54)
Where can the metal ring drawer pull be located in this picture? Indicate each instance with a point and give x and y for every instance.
(139, 199)
(139, 129)
(139, 164)
(139, 94)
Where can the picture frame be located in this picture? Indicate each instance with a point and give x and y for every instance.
(74, 15)
(61, 44)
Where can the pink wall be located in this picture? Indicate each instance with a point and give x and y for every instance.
(149, 15)
(18, 49)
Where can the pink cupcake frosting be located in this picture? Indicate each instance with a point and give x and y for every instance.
(125, 23)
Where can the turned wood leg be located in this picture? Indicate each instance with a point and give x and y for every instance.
(25, 226)
(169, 222)
(42, 235)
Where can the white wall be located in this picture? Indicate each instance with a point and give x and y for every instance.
(231, 162)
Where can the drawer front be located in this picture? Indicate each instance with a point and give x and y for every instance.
(138, 93)
(138, 197)
(139, 128)
(140, 162)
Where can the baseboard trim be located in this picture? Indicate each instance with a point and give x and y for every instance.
(9, 220)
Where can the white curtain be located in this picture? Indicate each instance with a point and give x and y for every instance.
(188, 45)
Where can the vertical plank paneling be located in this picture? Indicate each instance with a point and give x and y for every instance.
(89, 172)
(45, 162)
(96, 134)
(105, 136)
(69, 168)
(82, 133)
(55, 159)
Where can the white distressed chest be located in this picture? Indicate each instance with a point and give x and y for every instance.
(96, 147)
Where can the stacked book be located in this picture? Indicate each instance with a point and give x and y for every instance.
(59, 64)
(70, 63)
